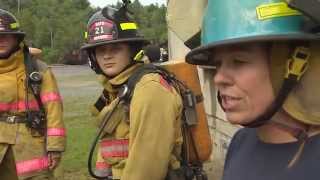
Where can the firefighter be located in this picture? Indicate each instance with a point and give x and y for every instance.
(141, 140)
(266, 72)
(32, 133)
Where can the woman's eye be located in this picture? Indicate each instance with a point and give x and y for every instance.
(239, 61)
(217, 64)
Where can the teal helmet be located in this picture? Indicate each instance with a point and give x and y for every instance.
(239, 21)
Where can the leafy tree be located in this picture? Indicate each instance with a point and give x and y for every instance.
(58, 26)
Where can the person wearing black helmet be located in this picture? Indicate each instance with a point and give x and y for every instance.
(32, 134)
(142, 138)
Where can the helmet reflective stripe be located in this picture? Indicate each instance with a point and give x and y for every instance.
(14, 25)
(127, 26)
(274, 10)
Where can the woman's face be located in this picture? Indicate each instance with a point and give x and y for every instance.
(243, 80)
(7, 43)
(113, 58)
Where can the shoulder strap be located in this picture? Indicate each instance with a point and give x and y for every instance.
(136, 76)
(33, 77)
(102, 100)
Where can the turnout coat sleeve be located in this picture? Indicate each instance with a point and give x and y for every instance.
(50, 97)
(155, 111)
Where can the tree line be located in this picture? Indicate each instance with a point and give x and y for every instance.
(58, 26)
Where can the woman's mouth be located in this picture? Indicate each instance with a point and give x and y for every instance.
(229, 103)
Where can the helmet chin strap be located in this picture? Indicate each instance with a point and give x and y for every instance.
(296, 67)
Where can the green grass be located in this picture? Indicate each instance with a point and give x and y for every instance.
(79, 88)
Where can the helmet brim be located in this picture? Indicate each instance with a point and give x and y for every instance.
(14, 33)
(200, 55)
(89, 46)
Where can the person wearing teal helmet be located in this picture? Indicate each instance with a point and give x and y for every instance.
(266, 65)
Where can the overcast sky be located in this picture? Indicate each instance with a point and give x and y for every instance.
(102, 3)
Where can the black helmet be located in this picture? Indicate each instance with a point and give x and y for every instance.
(110, 25)
(10, 25)
(107, 26)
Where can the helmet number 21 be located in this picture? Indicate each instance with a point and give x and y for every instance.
(99, 30)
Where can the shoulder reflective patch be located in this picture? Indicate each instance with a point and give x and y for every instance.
(165, 84)
(274, 10)
(128, 26)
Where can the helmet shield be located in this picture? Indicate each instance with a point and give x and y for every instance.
(104, 30)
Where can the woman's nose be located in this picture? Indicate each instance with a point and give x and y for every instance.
(222, 76)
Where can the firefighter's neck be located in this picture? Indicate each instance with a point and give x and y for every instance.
(282, 127)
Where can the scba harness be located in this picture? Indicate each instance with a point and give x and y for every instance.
(190, 169)
(36, 120)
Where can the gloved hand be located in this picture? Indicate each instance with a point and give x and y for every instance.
(54, 158)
